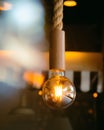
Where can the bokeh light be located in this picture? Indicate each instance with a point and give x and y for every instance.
(21, 41)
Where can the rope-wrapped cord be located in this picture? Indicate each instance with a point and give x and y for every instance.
(58, 14)
(57, 46)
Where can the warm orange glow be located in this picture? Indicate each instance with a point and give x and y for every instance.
(34, 78)
(95, 95)
(74, 60)
(79, 61)
(58, 93)
(40, 93)
(70, 3)
(6, 6)
(4, 53)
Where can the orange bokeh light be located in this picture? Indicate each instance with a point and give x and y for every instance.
(95, 94)
(70, 3)
(34, 78)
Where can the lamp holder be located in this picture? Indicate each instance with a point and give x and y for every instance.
(57, 49)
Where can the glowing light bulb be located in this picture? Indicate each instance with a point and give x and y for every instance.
(58, 92)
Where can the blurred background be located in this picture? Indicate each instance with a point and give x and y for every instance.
(24, 44)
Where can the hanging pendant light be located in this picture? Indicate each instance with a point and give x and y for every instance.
(58, 91)
(70, 3)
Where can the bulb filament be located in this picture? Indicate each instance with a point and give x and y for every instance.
(58, 93)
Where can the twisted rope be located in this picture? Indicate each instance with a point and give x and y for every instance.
(58, 14)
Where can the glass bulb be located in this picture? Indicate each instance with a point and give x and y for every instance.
(58, 91)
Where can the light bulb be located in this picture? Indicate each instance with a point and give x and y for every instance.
(58, 91)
